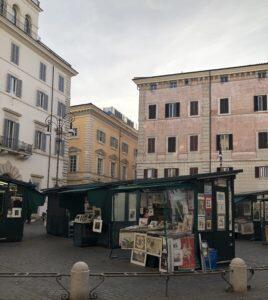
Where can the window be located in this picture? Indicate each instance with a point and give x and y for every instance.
(14, 15)
(262, 74)
(173, 84)
(194, 143)
(153, 86)
(74, 132)
(100, 166)
(135, 153)
(61, 83)
(224, 142)
(61, 111)
(101, 136)
(224, 106)
(224, 78)
(260, 103)
(224, 169)
(42, 100)
(194, 108)
(59, 147)
(14, 86)
(150, 173)
(124, 173)
(152, 111)
(171, 172)
(2, 7)
(171, 144)
(124, 147)
(43, 72)
(11, 134)
(193, 171)
(151, 145)
(113, 168)
(263, 140)
(261, 172)
(40, 140)
(172, 110)
(186, 81)
(73, 163)
(27, 25)
(15, 52)
(113, 142)
(119, 207)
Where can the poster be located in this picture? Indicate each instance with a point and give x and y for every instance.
(126, 240)
(177, 253)
(132, 214)
(201, 205)
(221, 222)
(208, 225)
(138, 257)
(154, 246)
(208, 188)
(208, 200)
(221, 207)
(188, 253)
(140, 241)
(201, 223)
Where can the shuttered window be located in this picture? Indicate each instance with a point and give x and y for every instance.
(193, 171)
(61, 110)
(194, 143)
(224, 106)
(151, 145)
(152, 111)
(61, 83)
(40, 140)
(113, 142)
(150, 173)
(171, 144)
(193, 108)
(224, 142)
(42, 100)
(263, 140)
(15, 52)
(261, 172)
(14, 86)
(125, 147)
(260, 103)
(43, 72)
(113, 169)
(171, 172)
(11, 134)
(172, 110)
(101, 136)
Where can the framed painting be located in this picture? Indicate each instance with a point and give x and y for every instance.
(154, 246)
(140, 241)
(138, 257)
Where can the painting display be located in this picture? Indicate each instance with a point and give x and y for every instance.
(126, 240)
(97, 225)
(201, 223)
(138, 257)
(221, 210)
(132, 214)
(221, 222)
(140, 241)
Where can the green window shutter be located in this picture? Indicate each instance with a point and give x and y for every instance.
(19, 88)
(8, 83)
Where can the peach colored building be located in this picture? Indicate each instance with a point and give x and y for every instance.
(185, 118)
(103, 147)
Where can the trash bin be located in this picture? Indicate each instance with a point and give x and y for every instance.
(211, 259)
(83, 235)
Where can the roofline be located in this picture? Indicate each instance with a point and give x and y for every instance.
(37, 6)
(252, 193)
(139, 80)
(201, 176)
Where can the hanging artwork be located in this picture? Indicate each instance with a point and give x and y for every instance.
(97, 225)
(201, 205)
(132, 214)
(221, 222)
(201, 223)
(208, 200)
(208, 224)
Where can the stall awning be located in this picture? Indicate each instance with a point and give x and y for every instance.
(84, 190)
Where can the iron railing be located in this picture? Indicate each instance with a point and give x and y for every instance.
(15, 145)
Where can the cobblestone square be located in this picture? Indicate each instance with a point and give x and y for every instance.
(39, 252)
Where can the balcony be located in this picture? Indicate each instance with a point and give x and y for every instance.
(8, 145)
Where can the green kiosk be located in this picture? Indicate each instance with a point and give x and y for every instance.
(18, 200)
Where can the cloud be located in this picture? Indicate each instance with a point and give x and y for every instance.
(111, 41)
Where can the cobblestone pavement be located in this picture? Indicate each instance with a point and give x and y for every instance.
(39, 252)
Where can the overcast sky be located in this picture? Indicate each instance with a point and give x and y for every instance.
(110, 41)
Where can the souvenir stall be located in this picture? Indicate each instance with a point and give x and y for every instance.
(18, 200)
(251, 215)
(178, 220)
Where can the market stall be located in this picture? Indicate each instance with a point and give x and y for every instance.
(251, 215)
(18, 200)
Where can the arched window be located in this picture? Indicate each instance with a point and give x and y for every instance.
(27, 25)
(14, 14)
(2, 7)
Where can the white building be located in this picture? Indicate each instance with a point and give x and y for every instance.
(35, 82)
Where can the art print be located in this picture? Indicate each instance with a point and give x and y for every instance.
(177, 253)
(150, 212)
(201, 205)
(208, 200)
(132, 214)
(97, 225)
(247, 228)
(163, 262)
(221, 222)
(140, 241)
(138, 257)
(154, 246)
(201, 223)
(208, 188)
(220, 196)
(208, 225)
(143, 222)
(126, 240)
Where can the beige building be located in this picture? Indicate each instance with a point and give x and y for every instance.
(103, 147)
(35, 82)
(186, 118)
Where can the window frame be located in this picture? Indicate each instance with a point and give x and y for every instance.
(100, 172)
(16, 54)
(229, 106)
(101, 136)
(61, 83)
(126, 146)
(189, 112)
(148, 111)
(43, 72)
(71, 165)
(258, 140)
(172, 110)
(167, 143)
(189, 143)
(151, 152)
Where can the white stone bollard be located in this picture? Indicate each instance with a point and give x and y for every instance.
(79, 285)
(238, 275)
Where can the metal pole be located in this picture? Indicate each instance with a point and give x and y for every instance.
(58, 151)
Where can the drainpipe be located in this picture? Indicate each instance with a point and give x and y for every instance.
(210, 168)
(50, 136)
(119, 155)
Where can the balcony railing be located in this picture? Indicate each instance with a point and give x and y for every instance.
(15, 146)
(21, 25)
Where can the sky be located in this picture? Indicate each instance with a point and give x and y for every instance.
(111, 41)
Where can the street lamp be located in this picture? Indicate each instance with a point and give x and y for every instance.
(220, 155)
(60, 124)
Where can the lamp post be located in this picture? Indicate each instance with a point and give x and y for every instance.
(60, 124)
(220, 155)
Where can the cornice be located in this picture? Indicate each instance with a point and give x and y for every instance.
(12, 112)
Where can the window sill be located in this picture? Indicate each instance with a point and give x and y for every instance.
(194, 116)
(168, 118)
(224, 114)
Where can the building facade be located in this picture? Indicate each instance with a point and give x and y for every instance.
(187, 120)
(103, 147)
(35, 83)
